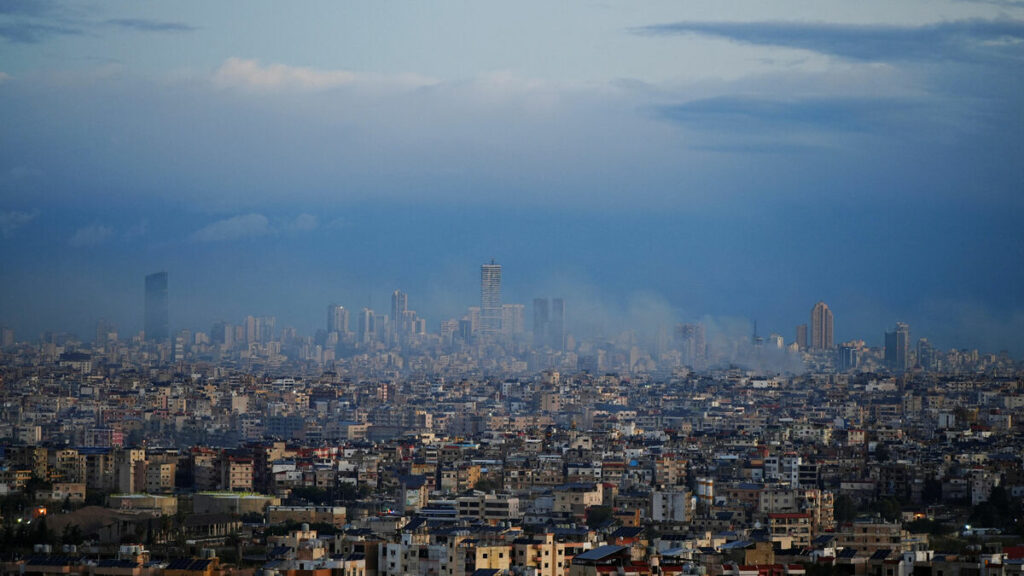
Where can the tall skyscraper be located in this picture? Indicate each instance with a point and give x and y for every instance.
(337, 319)
(266, 328)
(557, 325)
(512, 319)
(691, 342)
(490, 299)
(540, 321)
(252, 329)
(849, 356)
(821, 327)
(801, 336)
(367, 325)
(927, 355)
(399, 306)
(897, 348)
(155, 322)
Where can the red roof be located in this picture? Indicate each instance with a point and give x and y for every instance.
(783, 515)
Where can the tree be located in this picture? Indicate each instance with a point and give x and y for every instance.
(932, 491)
(35, 484)
(999, 511)
(310, 494)
(691, 479)
(485, 485)
(71, 534)
(889, 508)
(41, 534)
(844, 509)
(598, 515)
(881, 452)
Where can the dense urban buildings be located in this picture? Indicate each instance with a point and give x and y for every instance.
(477, 450)
(315, 382)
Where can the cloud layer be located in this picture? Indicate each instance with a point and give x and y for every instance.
(11, 221)
(234, 228)
(89, 236)
(961, 40)
(254, 75)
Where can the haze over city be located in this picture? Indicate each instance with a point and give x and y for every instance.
(654, 164)
(534, 288)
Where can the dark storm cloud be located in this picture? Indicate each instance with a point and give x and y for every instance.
(144, 25)
(960, 40)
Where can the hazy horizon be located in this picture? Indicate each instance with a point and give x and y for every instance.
(664, 163)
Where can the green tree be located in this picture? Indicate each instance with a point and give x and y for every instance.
(310, 494)
(71, 534)
(844, 509)
(889, 508)
(485, 485)
(929, 526)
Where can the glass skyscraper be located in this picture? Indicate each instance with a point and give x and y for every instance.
(490, 299)
(897, 348)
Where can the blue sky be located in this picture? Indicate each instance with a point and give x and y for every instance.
(651, 162)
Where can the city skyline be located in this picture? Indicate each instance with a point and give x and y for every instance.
(666, 288)
(549, 319)
(684, 159)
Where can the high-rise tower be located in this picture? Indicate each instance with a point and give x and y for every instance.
(557, 326)
(155, 321)
(490, 299)
(897, 348)
(692, 344)
(821, 327)
(540, 321)
(337, 319)
(367, 325)
(399, 307)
